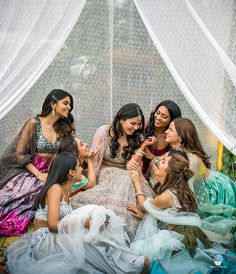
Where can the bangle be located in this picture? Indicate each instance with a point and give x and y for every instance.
(140, 193)
(139, 152)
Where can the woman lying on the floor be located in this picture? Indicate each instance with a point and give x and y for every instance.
(170, 231)
(89, 240)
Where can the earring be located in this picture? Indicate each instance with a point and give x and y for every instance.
(53, 112)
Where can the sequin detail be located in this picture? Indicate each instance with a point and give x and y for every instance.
(43, 145)
(42, 213)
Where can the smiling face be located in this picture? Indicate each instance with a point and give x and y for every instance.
(172, 136)
(129, 126)
(160, 169)
(83, 148)
(162, 117)
(62, 107)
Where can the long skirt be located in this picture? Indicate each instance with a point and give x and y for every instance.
(17, 198)
(74, 249)
(115, 191)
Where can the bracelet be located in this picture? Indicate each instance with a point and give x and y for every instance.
(139, 152)
(140, 193)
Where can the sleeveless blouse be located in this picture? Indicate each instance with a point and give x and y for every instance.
(42, 144)
(176, 204)
(42, 213)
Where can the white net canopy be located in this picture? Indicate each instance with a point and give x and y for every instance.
(134, 51)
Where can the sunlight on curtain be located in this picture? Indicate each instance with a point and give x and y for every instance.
(108, 60)
(31, 34)
(196, 40)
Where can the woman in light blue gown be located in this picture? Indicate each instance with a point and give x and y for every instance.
(170, 233)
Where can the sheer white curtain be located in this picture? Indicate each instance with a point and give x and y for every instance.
(31, 34)
(196, 40)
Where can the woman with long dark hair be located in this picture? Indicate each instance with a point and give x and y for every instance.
(118, 143)
(90, 239)
(24, 164)
(159, 121)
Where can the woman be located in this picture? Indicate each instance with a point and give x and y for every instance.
(118, 143)
(85, 156)
(24, 165)
(63, 238)
(159, 121)
(214, 191)
(170, 232)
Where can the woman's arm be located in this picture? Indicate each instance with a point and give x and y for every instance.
(53, 199)
(164, 200)
(137, 184)
(24, 149)
(39, 175)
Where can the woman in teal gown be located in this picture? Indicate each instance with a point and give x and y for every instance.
(214, 191)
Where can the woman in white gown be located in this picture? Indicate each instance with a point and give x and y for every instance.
(118, 142)
(88, 240)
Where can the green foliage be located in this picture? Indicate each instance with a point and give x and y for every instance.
(229, 164)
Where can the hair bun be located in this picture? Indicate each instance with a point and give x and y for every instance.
(187, 173)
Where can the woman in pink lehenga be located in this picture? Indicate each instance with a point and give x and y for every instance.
(24, 165)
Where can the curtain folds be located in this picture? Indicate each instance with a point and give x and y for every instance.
(194, 38)
(31, 34)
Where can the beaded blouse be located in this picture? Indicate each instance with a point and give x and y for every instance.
(42, 213)
(42, 144)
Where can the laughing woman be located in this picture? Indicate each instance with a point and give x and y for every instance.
(118, 143)
(214, 191)
(24, 165)
(159, 121)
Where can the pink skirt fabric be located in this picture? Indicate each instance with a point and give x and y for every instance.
(17, 198)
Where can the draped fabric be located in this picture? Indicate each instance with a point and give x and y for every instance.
(122, 51)
(196, 41)
(32, 33)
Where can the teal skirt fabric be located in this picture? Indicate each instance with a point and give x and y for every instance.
(221, 189)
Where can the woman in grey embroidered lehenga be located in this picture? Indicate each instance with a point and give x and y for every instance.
(114, 189)
(24, 165)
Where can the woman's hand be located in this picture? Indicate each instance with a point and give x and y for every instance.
(132, 164)
(93, 152)
(87, 223)
(149, 141)
(136, 212)
(42, 177)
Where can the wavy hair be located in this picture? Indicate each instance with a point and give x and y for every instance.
(128, 111)
(178, 174)
(190, 140)
(57, 174)
(64, 126)
(173, 109)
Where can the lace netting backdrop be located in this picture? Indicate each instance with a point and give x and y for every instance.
(109, 59)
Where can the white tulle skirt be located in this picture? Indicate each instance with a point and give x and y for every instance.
(74, 249)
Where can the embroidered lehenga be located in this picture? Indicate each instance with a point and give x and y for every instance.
(216, 198)
(19, 187)
(75, 249)
(114, 189)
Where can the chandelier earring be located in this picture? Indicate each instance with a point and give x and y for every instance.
(53, 112)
